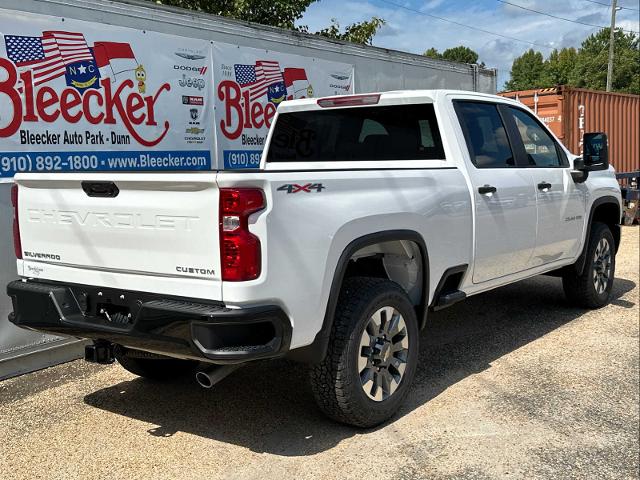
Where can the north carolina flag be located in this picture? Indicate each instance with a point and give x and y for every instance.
(295, 79)
(113, 58)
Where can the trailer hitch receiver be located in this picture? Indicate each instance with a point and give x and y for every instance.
(99, 352)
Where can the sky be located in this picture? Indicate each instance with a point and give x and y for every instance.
(415, 32)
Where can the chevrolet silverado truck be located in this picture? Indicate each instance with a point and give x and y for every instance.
(367, 213)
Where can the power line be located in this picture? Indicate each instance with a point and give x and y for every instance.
(609, 5)
(629, 8)
(397, 5)
(559, 18)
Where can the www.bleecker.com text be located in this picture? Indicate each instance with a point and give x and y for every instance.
(72, 138)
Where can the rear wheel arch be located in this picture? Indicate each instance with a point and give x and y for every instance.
(317, 350)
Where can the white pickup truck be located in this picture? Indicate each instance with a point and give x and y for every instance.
(367, 212)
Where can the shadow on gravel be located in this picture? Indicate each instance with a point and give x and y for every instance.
(268, 407)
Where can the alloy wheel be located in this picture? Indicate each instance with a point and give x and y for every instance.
(384, 348)
(602, 266)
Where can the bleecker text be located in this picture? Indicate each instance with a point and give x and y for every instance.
(239, 112)
(96, 106)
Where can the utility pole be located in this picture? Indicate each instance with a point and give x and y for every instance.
(614, 7)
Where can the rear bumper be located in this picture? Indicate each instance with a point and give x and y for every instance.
(174, 326)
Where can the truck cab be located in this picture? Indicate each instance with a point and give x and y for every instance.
(366, 213)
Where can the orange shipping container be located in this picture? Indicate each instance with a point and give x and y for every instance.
(571, 112)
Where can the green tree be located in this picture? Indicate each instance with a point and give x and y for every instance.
(360, 32)
(559, 66)
(591, 62)
(280, 13)
(432, 53)
(585, 67)
(276, 13)
(528, 71)
(460, 54)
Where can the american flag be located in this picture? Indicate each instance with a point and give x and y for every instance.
(47, 56)
(258, 77)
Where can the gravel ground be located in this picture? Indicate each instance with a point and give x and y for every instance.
(513, 384)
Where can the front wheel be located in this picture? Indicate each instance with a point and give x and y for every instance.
(592, 289)
(372, 354)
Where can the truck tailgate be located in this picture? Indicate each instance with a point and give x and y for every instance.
(154, 224)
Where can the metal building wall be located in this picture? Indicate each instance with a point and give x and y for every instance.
(376, 69)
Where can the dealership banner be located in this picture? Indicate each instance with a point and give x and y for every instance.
(81, 96)
(249, 85)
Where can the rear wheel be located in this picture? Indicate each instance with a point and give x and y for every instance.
(372, 354)
(152, 366)
(592, 289)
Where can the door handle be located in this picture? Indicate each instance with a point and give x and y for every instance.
(486, 189)
(544, 186)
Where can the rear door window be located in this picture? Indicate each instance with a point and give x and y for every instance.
(485, 134)
(399, 132)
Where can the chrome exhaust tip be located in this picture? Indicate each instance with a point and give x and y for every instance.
(209, 377)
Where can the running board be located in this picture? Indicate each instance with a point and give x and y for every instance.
(448, 299)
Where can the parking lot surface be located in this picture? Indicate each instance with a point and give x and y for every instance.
(513, 383)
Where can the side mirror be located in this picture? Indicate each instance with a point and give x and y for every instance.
(595, 156)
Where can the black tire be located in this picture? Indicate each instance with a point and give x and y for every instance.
(154, 368)
(581, 290)
(336, 382)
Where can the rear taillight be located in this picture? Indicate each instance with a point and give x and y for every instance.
(239, 248)
(17, 244)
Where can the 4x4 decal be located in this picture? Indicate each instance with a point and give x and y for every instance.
(295, 188)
